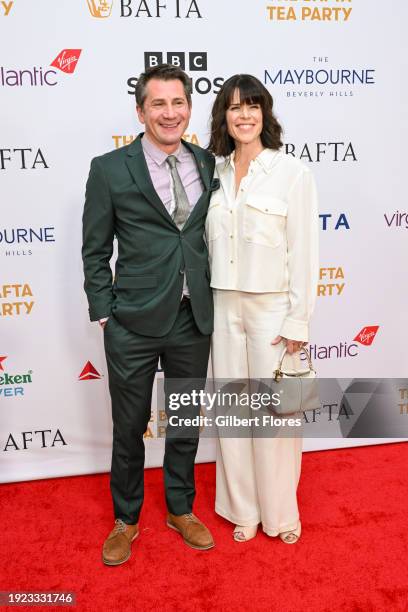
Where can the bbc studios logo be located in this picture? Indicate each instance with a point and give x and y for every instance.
(190, 61)
(150, 9)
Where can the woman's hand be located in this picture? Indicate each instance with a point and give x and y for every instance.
(292, 346)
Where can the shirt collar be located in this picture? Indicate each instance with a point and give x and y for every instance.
(157, 155)
(265, 159)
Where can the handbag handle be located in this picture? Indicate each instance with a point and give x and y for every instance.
(278, 374)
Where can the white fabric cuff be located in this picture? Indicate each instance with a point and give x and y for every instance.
(295, 330)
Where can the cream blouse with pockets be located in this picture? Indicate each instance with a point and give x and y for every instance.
(265, 239)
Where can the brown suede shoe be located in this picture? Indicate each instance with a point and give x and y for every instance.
(116, 548)
(193, 531)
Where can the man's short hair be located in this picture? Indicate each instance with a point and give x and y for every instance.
(163, 72)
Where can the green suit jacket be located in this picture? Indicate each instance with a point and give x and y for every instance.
(153, 254)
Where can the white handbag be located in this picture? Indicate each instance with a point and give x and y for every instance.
(298, 388)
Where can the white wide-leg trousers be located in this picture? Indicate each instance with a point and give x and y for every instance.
(257, 478)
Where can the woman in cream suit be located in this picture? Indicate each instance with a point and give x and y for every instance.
(262, 232)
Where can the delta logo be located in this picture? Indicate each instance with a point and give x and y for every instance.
(89, 372)
(11, 385)
(37, 76)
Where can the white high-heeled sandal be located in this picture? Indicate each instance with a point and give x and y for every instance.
(291, 537)
(243, 534)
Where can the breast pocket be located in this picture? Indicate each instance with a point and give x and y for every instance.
(264, 221)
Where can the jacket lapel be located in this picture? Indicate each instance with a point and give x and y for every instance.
(204, 170)
(137, 165)
(202, 164)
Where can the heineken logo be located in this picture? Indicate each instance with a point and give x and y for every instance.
(16, 379)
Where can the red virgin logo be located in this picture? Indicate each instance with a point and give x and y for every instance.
(67, 60)
(367, 334)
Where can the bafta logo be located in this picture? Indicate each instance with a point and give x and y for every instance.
(100, 8)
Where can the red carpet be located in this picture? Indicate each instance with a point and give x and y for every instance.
(352, 555)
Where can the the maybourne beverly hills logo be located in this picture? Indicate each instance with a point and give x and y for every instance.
(178, 9)
(37, 76)
(317, 78)
(16, 241)
(190, 61)
(304, 10)
(12, 385)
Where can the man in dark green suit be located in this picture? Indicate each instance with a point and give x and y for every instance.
(153, 195)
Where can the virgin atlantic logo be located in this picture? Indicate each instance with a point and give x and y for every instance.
(366, 335)
(67, 60)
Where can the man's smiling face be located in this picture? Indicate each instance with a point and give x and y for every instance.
(165, 113)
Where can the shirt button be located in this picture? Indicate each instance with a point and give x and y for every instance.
(231, 212)
(231, 235)
(231, 261)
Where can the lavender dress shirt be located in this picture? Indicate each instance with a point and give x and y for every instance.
(161, 178)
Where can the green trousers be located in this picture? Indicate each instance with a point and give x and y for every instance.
(132, 364)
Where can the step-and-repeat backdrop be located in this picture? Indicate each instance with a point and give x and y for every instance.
(68, 71)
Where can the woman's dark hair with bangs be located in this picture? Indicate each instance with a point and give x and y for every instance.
(251, 91)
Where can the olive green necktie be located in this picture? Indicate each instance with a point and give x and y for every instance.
(182, 210)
